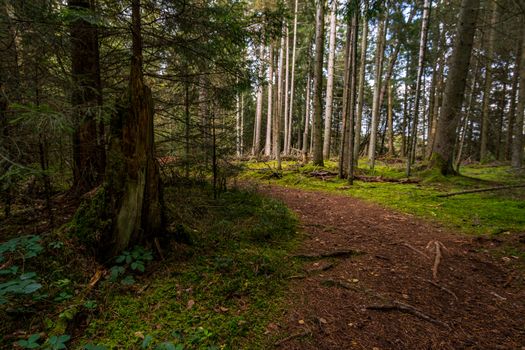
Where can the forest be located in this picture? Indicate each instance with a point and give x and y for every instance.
(262, 174)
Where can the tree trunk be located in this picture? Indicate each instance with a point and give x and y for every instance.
(85, 99)
(380, 50)
(268, 144)
(443, 152)
(361, 89)
(330, 82)
(517, 145)
(307, 115)
(512, 110)
(292, 81)
(285, 91)
(488, 83)
(353, 96)
(390, 114)
(279, 106)
(258, 109)
(420, 71)
(317, 132)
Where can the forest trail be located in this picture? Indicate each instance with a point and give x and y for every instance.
(384, 296)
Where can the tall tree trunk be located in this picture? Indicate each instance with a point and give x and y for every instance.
(238, 127)
(485, 123)
(258, 108)
(443, 152)
(85, 99)
(512, 111)
(307, 115)
(420, 71)
(330, 82)
(353, 96)
(361, 89)
(287, 123)
(268, 144)
(292, 80)
(317, 132)
(390, 115)
(279, 105)
(380, 50)
(517, 145)
(347, 83)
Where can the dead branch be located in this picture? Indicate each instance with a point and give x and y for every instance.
(292, 336)
(402, 307)
(438, 256)
(489, 189)
(332, 254)
(365, 178)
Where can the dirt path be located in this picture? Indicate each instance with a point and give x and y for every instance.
(384, 296)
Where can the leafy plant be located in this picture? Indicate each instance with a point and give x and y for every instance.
(29, 343)
(57, 342)
(134, 260)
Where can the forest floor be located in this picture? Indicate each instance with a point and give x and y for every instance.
(369, 281)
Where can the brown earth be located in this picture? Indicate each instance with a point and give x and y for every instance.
(384, 295)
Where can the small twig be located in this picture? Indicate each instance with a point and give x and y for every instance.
(416, 250)
(292, 336)
(402, 307)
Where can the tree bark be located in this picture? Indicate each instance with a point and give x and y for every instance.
(330, 82)
(317, 132)
(390, 115)
(443, 152)
(285, 91)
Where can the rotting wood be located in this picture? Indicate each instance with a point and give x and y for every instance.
(402, 307)
(302, 333)
(479, 190)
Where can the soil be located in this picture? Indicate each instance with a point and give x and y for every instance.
(384, 295)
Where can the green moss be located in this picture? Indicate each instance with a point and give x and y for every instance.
(91, 219)
(224, 291)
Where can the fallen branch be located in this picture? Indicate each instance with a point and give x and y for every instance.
(489, 189)
(292, 336)
(402, 307)
(365, 178)
(332, 254)
(339, 284)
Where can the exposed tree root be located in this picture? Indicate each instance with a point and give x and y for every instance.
(402, 307)
(438, 256)
(445, 289)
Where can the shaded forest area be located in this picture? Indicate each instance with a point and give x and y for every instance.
(135, 136)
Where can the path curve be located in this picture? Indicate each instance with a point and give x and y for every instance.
(385, 296)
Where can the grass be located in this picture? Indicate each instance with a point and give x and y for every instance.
(477, 213)
(222, 292)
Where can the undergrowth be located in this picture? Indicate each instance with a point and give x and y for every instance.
(219, 293)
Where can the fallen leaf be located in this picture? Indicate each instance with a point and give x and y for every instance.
(191, 302)
(139, 334)
(301, 321)
(322, 320)
(223, 309)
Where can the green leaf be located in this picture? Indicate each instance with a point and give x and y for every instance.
(147, 341)
(128, 280)
(58, 342)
